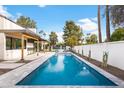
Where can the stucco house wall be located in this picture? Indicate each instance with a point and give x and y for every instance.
(2, 46)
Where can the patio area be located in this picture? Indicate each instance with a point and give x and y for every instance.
(6, 66)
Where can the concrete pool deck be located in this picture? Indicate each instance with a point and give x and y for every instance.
(15, 63)
(10, 78)
(10, 65)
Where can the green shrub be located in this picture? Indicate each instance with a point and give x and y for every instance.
(117, 35)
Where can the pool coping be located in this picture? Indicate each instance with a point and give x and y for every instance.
(111, 77)
(11, 78)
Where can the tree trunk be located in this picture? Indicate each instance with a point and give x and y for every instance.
(99, 25)
(107, 24)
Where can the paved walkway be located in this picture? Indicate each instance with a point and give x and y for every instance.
(12, 64)
(35, 56)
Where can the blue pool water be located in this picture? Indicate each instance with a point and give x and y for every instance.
(65, 69)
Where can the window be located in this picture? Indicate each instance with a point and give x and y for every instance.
(30, 40)
(8, 43)
(18, 43)
(14, 43)
(24, 44)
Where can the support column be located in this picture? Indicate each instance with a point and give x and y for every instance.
(37, 47)
(43, 47)
(22, 47)
(49, 47)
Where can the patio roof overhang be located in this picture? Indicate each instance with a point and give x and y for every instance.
(27, 33)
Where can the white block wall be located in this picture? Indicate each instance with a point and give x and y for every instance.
(115, 49)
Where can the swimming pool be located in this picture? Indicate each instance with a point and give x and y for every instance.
(65, 69)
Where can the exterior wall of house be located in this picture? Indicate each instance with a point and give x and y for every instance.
(2, 46)
(115, 52)
(9, 54)
(30, 46)
(13, 54)
(33, 30)
(7, 24)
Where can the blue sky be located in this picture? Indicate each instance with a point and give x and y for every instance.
(52, 18)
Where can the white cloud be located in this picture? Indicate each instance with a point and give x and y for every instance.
(88, 24)
(85, 20)
(94, 19)
(60, 35)
(4, 11)
(41, 6)
(17, 16)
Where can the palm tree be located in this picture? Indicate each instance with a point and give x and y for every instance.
(107, 24)
(99, 25)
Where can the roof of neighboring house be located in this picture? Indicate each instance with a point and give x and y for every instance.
(25, 30)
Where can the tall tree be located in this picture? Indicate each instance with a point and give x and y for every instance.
(107, 24)
(26, 22)
(93, 38)
(87, 38)
(118, 34)
(72, 41)
(72, 32)
(117, 15)
(99, 25)
(53, 38)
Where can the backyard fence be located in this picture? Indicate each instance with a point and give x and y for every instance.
(115, 52)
